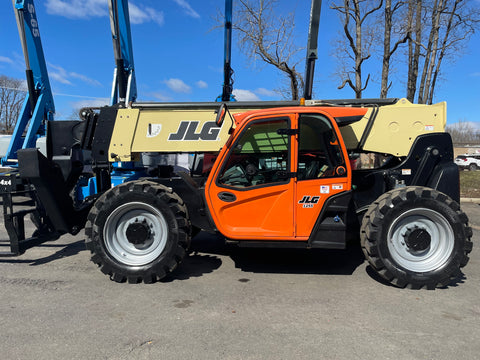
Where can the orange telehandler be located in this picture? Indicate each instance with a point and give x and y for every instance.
(282, 178)
(275, 174)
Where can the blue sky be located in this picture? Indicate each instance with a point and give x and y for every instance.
(178, 57)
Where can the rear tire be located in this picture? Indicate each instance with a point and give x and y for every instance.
(138, 231)
(416, 237)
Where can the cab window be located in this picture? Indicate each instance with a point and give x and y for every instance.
(319, 151)
(260, 156)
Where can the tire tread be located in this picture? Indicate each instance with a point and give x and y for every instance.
(371, 228)
(159, 271)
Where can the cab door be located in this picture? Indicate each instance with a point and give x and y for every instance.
(322, 169)
(251, 194)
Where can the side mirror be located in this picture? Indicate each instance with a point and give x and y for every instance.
(221, 115)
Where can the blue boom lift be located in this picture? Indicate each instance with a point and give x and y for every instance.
(36, 120)
(38, 109)
(124, 89)
(38, 106)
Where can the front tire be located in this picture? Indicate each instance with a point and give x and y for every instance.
(416, 237)
(138, 231)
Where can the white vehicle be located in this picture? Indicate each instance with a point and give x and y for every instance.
(468, 161)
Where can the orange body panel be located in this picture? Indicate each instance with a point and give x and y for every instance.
(279, 211)
(306, 214)
(257, 213)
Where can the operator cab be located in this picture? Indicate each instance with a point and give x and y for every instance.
(274, 175)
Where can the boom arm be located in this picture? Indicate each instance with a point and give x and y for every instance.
(227, 68)
(38, 105)
(124, 88)
(312, 48)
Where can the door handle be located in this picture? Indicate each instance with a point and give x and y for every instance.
(227, 196)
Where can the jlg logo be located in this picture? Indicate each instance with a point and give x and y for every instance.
(309, 201)
(187, 131)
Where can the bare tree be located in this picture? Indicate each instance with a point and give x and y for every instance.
(434, 31)
(12, 96)
(414, 32)
(360, 37)
(463, 132)
(438, 8)
(390, 9)
(441, 30)
(263, 34)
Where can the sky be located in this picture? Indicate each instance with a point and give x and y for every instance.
(178, 55)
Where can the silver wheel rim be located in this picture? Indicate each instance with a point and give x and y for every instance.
(441, 245)
(117, 243)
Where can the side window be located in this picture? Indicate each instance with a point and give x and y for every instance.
(319, 152)
(259, 156)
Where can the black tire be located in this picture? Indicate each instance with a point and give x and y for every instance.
(138, 231)
(473, 167)
(416, 237)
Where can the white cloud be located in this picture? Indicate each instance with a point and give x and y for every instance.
(146, 14)
(85, 79)
(188, 9)
(178, 86)
(266, 92)
(160, 96)
(475, 74)
(6, 60)
(245, 95)
(63, 76)
(86, 9)
(90, 103)
(59, 74)
(201, 84)
(77, 9)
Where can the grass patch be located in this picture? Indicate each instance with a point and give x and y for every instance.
(470, 184)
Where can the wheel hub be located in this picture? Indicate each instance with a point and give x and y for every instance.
(420, 240)
(138, 233)
(417, 240)
(135, 233)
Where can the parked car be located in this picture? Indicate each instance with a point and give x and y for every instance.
(468, 161)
